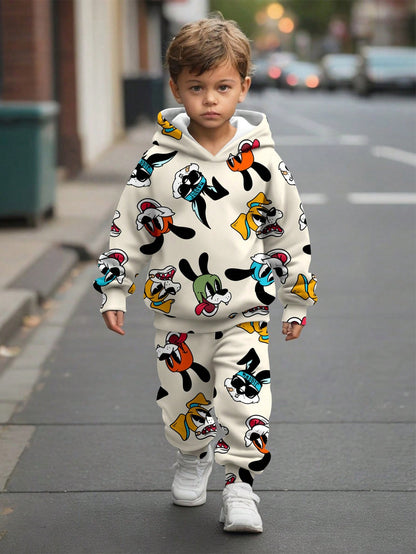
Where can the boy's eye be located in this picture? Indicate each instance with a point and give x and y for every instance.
(223, 88)
(196, 88)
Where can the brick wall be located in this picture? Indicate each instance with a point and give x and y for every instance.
(27, 49)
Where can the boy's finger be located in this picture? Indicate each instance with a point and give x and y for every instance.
(114, 322)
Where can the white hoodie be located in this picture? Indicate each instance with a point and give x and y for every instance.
(217, 230)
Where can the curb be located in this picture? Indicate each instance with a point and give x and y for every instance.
(44, 277)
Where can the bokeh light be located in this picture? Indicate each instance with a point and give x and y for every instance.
(275, 10)
(286, 25)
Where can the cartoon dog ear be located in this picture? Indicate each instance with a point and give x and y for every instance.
(187, 270)
(180, 427)
(251, 360)
(199, 400)
(262, 295)
(240, 225)
(262, 171)
(157, 160)
(186, 381)
(153, 247)
(235, 274)
(247, 180)
(201, 371)
(261, 464)
(263, 376)
(181, 232)
(216, 191)
(200, 208)
(203, 263)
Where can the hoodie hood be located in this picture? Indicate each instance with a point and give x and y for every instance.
(173, 133)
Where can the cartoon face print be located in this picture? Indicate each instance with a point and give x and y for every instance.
(284, 170)
(115, 231)
(257, 436)
(158, 220)
(244, 161)
(141, 174)
(261, 310)
(261, 270)
(159, 286)
(305, 289)
(222, 447)
(178, 358)
(245, 386)
(302, 219)
(230, 478)
(111, 264)
(191, 185)
(167, 128)
(259, 218)
(197, 419)
(259, 327)
(207, 288)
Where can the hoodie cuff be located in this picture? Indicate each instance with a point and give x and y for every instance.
(294, 314)
(113, 299)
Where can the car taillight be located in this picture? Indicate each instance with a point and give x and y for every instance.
(291, 80)
(275, 72)
(312, 81)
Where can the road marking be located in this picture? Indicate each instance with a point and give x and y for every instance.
(315, 140)
(310, 125)
(394, 154)
(314, 198)
(395, 198)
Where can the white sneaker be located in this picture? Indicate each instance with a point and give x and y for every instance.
(239, 512)
(189, 487)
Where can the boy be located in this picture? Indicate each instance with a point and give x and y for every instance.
(217, 229)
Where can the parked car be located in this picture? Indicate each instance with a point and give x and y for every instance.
(261, 78)
(338, 70)
(385, 68)
(301, 75)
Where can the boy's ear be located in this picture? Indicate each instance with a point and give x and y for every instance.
(245, 86)
(175, 91)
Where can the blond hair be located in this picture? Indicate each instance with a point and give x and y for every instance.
(206, 44)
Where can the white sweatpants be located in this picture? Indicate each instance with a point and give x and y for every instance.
(226, 373)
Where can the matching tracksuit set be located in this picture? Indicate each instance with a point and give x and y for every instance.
(216, 233)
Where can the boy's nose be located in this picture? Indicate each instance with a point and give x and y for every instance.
(210, 98)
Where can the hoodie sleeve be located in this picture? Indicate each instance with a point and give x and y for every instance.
(124, 259)
(289, 247)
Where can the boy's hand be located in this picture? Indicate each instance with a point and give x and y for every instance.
(291, 330)
(114, 319)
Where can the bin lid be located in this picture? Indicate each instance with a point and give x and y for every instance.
(18, 111)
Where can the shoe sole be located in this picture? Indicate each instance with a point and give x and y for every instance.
(197, 501)
(239, 528)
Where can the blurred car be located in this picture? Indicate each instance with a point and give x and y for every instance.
(261, 78)
(301, 75)
(338, 70)
(277, 63)
(385, 68)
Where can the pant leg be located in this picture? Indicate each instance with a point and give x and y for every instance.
(184, 365)
(243, 401)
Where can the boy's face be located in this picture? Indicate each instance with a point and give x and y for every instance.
(210, 99)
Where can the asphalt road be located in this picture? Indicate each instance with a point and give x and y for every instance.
(96, 475)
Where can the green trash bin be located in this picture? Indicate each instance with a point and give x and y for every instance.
(27, 160)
